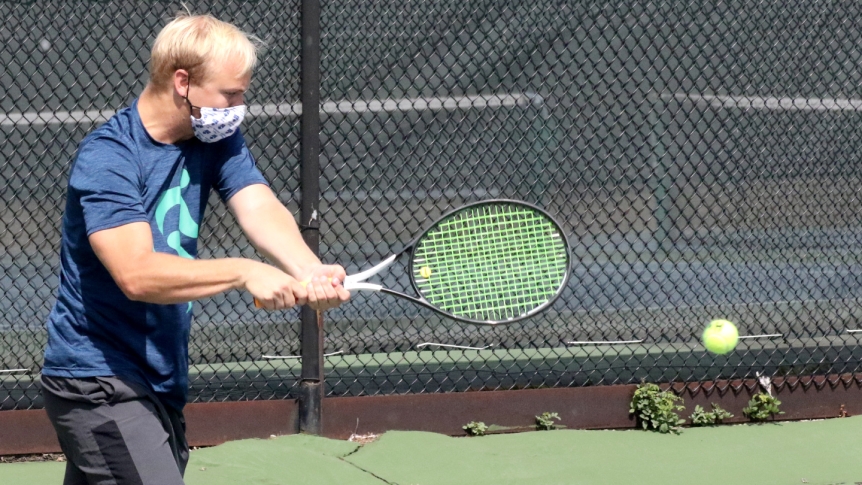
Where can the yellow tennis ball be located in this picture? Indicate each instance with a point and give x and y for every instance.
(720, 336)
(425, 272)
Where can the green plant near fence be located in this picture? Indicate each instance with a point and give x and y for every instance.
(656, 410)
(761, 407)
(701, 417)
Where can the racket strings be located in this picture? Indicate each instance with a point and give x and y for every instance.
(498, 295)
(514, 263)
(491, 263)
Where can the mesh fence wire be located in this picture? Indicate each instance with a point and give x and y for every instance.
(701, 157)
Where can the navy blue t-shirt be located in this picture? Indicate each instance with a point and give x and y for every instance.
(122, 175)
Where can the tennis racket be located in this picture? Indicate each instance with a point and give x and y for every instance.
(491, 262)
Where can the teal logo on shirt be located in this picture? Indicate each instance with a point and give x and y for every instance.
(186, 227)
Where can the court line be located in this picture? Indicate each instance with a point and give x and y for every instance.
(15, 371)
(293, 357)
(765, 335)
(464, 347)
(769, 102)
(604, 342)
(479, 101)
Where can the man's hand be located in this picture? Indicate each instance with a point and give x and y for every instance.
(324, 286)
(272, 288)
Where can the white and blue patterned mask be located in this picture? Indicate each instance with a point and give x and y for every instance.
(217, 123)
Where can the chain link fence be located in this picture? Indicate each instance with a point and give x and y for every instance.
(701, 156)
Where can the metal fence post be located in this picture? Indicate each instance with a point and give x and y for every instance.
(311, 387)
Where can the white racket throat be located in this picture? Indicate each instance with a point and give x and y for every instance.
(356, 281)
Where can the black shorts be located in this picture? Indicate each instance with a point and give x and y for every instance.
(115, 432)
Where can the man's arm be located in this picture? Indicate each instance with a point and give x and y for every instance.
(272, 230)
(145, 275)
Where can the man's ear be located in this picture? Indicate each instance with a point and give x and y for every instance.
(181, 83)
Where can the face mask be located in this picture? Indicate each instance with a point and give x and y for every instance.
(217, 123)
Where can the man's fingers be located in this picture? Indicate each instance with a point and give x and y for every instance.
(319, 292)
(324, 296)
(280, 300)
(299, 293)
(265, 304)
(325, 290)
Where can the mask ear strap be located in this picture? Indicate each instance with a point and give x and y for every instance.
(191, 106)
(189, 88)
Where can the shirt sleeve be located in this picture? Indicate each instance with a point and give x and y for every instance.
(106, 178)
(238, 170)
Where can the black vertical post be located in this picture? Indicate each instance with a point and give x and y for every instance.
(311, 385)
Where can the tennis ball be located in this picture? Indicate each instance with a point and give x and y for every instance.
(425, 272)
(720, 336)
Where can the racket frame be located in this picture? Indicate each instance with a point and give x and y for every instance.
(357, 281)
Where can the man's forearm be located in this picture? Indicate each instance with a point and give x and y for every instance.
(284, 245)
(272, 230)
(166, 279)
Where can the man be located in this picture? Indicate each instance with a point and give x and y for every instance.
(116, 366)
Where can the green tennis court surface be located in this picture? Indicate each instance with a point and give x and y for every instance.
(816, 452)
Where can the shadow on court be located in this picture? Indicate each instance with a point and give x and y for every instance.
(816, 452)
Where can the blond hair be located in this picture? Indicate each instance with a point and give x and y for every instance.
(197, 42)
